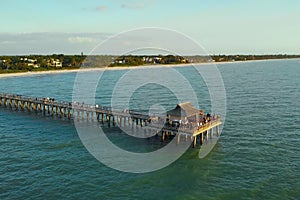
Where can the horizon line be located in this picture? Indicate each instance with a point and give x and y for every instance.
(215, 54)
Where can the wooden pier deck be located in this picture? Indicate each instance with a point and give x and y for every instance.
(106, 115)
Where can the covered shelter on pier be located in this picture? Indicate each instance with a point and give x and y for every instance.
(183, 112)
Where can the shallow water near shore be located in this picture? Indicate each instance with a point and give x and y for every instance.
(257, 156)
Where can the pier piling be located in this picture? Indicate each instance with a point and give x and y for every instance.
(135, 120)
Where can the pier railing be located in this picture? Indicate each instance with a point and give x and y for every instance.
(107, 114)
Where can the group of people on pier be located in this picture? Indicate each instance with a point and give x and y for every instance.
(191, 124)
(47, 100)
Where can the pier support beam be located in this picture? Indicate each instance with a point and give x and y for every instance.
(132, 125)
(16, 104)
(178, 138)
(92, 116)
(78, 115)
(119, 120)
(10, 103)
(195, 142)
(113, 119)
(52, 111)
(163, 135)
(125, 121)
(21, 103)
(108, 120)
(69, 114)
(60, 112)
(137, 121)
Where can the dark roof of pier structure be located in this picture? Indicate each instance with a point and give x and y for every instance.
(183, 110)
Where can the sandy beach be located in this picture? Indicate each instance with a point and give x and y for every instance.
(95, 69)
(120, 68)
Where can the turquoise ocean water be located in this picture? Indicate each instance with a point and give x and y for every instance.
(257, 156)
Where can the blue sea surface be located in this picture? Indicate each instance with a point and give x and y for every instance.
(257, 156)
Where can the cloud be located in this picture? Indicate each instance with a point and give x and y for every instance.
(138, 4)
(97, 9)
(133, 5)
(48, 43)
(102, 8)
(79, 39)
(7, 42)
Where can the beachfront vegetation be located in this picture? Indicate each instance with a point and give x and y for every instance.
(11, 64)
(134, 60)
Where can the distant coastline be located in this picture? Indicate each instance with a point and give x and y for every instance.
(60, 71)
(58, 62)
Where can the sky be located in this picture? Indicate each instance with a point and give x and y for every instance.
(219, 26)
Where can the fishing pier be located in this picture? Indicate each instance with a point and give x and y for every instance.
(183, 122)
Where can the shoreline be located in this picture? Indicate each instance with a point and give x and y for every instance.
(29, 73)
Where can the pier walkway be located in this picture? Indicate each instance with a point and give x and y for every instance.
(151, 124)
